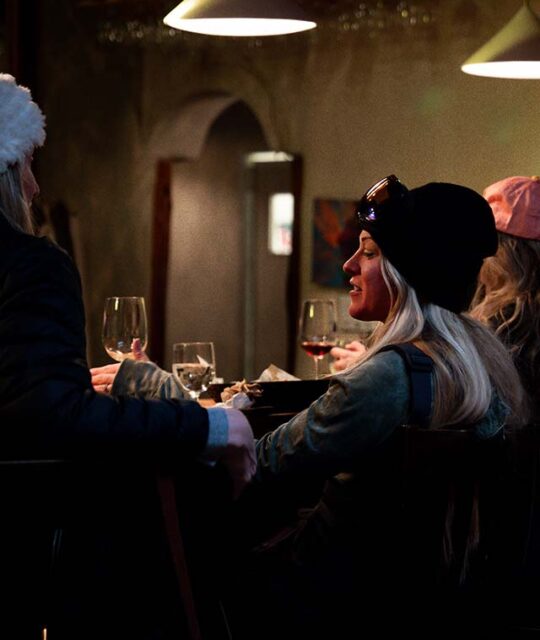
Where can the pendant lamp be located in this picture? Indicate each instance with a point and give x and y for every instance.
(513, 52)
(239, 17)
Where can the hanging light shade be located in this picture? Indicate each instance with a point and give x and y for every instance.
(239, 17)
(513, 52)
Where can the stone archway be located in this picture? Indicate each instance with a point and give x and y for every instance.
(198, 186)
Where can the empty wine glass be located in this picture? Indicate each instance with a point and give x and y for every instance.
(194, 364)
(124, 319)
(318, 329)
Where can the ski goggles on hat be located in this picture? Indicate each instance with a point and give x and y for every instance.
(382, 200)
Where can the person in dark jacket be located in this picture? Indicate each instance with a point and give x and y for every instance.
(112, 576)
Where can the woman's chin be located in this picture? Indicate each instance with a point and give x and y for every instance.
(365, 315)
(355, 312)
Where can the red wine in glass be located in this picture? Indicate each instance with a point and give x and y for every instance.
(317, 349)
(318, 329)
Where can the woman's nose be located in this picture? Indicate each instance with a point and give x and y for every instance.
(352, 266)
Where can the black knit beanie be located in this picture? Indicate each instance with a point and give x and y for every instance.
(437, 238)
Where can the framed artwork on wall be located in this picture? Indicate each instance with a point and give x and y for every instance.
(335, 239)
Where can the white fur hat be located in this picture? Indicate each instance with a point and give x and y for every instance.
(22, 124)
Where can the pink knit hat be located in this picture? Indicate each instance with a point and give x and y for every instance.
(515, 203)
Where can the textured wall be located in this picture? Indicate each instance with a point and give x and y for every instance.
(206, 260)
(355, 107)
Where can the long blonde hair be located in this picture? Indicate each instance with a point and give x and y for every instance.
(508, 299)
(13, 206)
(469, 360)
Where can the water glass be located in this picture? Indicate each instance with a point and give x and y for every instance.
(194, 365)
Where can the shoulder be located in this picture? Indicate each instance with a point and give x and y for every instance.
(378, 388)
(379, 385)
(40, 276)
(35, 257)
(385, 367)
(45, 250)
(23, 245)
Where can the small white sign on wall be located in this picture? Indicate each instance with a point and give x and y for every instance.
(280, 223)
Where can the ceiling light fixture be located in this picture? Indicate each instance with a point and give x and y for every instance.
(513, 52)
(239, 17)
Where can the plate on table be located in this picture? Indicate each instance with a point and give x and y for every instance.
(288, 395)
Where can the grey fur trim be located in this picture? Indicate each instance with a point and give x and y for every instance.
(22, 124)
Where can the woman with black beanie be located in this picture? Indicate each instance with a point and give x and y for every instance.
(428, 364)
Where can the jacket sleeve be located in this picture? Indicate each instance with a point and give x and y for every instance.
(147, 380)
(361, 408)
(47, 403)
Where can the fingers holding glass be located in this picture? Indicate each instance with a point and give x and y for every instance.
(348, 356)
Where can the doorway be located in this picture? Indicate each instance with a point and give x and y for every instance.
(270, 214)
(220, 278)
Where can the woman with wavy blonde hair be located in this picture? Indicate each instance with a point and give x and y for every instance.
(415, 271)
(508, 296)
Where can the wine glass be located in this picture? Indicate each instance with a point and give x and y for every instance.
(194, 365)
(318, 329)
(124, 319)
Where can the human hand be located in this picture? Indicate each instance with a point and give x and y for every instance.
(103, 377)
(347, 357)
(239, 456)
(138, 352)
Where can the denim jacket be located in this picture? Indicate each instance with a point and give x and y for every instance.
(361, 409)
